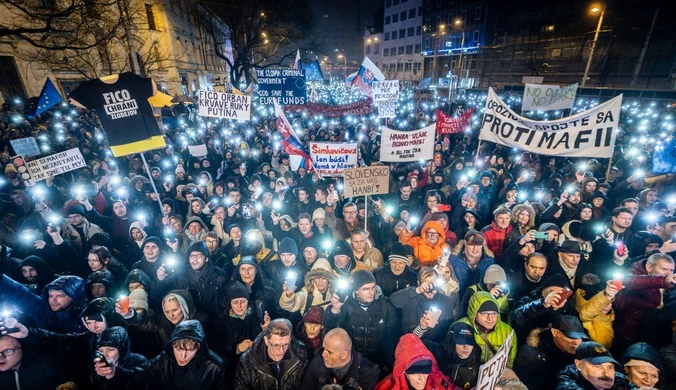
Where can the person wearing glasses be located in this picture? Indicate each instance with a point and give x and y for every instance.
(430, 246)
(275, 360)
(23, 368)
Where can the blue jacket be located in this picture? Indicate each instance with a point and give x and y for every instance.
(37, 307)
(467, 276)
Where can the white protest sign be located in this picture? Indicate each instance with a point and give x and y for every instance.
(56, 164)
(385, 90)
(491, 371)
(541, 97)
(224, 105)
(588, 134)
(387, 109)
(26, 147)
(403, 146)
(333, 158)
(197, 150)
(366, 181)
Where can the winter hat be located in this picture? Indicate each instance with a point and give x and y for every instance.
(155, 240)
(463, 334)
(138, 299)
(488, 305)
(556, 280)
(199, 246)
(314, 315)
(442, 215)
(494, 275)
(76, 209)
(420, 367)
(549, 226)
(360, 278)
(643, 354)
(319, 213)
(591, 284)
(598, 194)
(398, 252)
(342, 247)
(400, 224)
(288, 245)
(236, 290)
(179, 169)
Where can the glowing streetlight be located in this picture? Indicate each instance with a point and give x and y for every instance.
(594, 9)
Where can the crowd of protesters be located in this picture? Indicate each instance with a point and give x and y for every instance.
(234, 270)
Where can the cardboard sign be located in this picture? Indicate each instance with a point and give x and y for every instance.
(26, 147)
(224, 105)
(541, 97)
(285, 85)
(56, 164)
(331, 159)
(367, 181)
(387, 109)
(588, 134)
(385, 90)
(491, 371)
(404, 146)
(24, 173)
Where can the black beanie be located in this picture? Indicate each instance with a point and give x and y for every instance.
(489, 305)
(557, 280)
(360, 278)
(76, 209)
(199, 246)
(236, 290)
(288, 245)
(398, 252)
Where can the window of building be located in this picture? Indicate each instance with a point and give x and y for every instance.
(388, 3)
(556, 53)
(450, 18)
(419, 11)
(427, 44)
(409, 49)
(396, 2)
(387, 36)
(387, 20)
(411, 13)
(417, 49)
(402, 16)
(428, 4)
(395, 18)
(10, 81)
(476, 36)
(408, 67)
(400, 50)
(368, 49)
(463, 16)
(416, 67)
(394, 34)
(418, 30)
(548, 28)
(150, 16)
(386, 52)
(477, 13)
(402, 33)
(376, 48)
(400, 67)
(410, 32)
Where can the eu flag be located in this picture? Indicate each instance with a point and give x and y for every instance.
(664, 160)
(49, 97)
(313, 72)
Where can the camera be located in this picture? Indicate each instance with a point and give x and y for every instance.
(99, 358)
(343, 290)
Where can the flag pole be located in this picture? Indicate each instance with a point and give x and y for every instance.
(152, 183)
(366, 213)
(610, 164)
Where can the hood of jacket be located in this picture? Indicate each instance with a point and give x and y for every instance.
(45, 272)
(102, 307)
(320, 269)
(185, 302)
(437, 228)
(475, 302)
(191, 330)
(458, 250)
(102, 276)
(138, 276)
(115, 337)
(195, 219)
(137, 225)
(73, 286)
(411, 350)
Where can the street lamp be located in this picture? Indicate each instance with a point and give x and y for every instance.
(594, 9)
(462, 44)
(344, 64)
(442, 31)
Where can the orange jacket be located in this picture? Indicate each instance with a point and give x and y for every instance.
(425, 252)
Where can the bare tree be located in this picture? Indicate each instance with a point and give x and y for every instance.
(262, 33)
(60, 24)
(532, 63)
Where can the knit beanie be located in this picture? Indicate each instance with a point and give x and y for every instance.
(76, 209)
(314, 315)
(342, 247)
(236, 290)
(494, 275)
(179, 169)
(557, 280)
(138, 299)
(319, 213)
(488, 305)
(288, 245)
(398, 252)
(360, 278)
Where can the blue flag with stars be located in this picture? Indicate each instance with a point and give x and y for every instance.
(313, 72)
(49, 97)
(664, 160)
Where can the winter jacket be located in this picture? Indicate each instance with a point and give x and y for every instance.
(539, 360)
(411, 350)
(45, 273)
(504, 301)
(228, 331)
(71, 234)
(254, 371)
(372, 257)
(497, 239)
(206, 284)
(496, 337)
(11, 266)
(37, 307)
(598, 325)
(40, 369)
(362, 374)
(205, 371)
(570, 379)
(391, 283)
(463, 372)
(299, 300)
(425, 252)
(374, 329)
(466, 275)
(531, 313)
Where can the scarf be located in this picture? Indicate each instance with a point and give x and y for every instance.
(195, 238)
(570, 272)
(243, 316)
(347, 272)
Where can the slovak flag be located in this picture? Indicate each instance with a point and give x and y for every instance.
(290, 141)
(367, 74)
(296, 63)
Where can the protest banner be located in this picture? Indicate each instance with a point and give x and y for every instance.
(448, 125)
(387, 109)
(491, 371)
(331, 159)
(224, 105)
(542, 97)
(361, 108)
(385, 90)
(588, 134)
(286, 85)
(403, 146)
(197, 150)
(373, 180)
(20, 164)
(26, 147)
(56, 164)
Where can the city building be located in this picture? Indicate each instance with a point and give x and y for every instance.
(402, 40)
(373, 45)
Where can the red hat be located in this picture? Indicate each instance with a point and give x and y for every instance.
(314, 315)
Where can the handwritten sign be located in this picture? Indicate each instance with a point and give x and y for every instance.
(491, 371)
(542, 97)
(331, 159)
(403, 146)
(197, 150)
(224, 105)
(366, 181)
(385, 90)
(26, 147)
(387, 109)
(285, 85)
(449, 125)
(56, 164)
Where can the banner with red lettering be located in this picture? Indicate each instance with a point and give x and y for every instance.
(331, 159)
(449, 125)
(362, 108)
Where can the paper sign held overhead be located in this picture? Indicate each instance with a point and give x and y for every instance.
(403, 146)
(366, 181)
(541, 97)
(224, 105)
(197, 150)
(385, 90)
(331, 159)
(56, 164)
(26, 147)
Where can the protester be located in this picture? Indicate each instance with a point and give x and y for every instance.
(594, 368)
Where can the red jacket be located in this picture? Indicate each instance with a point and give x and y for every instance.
(641, 293)
(411, 350)
(496, 239)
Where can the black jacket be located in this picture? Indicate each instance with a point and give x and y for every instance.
(391, 283)
(570, 379)
(374, 331)
(206, 371)
(538, 362)
(463, 372)
(41, 368)
(205, 285)
(531, 313)
(362, 374)
(254, 370)
(227, 331)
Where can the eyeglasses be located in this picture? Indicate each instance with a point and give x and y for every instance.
(9, 352)
(488, 314)
(197, 257)
(431, 234)
(279, 347)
